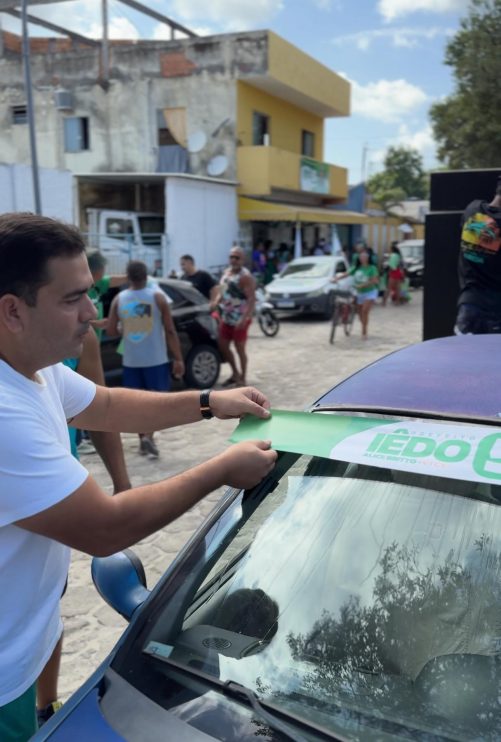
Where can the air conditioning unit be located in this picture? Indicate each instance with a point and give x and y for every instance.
(63, 100)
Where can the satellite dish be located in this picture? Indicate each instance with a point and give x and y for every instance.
(196, 141)
(217, 165)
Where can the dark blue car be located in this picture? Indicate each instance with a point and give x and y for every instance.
(355, 594)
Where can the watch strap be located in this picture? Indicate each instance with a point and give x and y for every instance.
(205, 409)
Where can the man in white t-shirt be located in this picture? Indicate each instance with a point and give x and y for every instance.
(48, 501)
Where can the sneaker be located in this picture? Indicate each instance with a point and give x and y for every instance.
(142, 448)
(44, 714)
(149, 447)
(86, 446)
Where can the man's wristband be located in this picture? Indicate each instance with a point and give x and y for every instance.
(205, 409)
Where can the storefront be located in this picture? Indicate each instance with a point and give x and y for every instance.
(297, 227)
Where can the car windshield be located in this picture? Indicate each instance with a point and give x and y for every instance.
(412, 251)
(366, 600)
(307, 270)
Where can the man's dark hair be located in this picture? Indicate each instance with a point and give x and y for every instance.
(27, 243)
(498, 187)
(96, 261)
(187, 257)
(137, 272)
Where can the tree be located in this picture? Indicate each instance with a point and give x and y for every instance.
(403, 177)
(467, 124)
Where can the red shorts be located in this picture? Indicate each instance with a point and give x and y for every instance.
(230, 332)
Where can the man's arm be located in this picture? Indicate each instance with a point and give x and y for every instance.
(99, 525)
(133, 410)
(171, 336)
(214, 295)
(112, 329)
(215, 298)
(108, 444)
(115, 281)
(248, 286)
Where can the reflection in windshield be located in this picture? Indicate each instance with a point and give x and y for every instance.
(307, 270)
(380, 598)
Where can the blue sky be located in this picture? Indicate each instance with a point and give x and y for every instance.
(392, 51)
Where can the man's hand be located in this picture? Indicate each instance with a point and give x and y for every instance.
(99, 324)
(238, 402)
(247, 463)
(178, 369)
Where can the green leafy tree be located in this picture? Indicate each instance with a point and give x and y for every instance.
(467, 124)
(403, 177)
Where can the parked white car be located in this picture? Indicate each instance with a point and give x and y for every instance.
(305, 284)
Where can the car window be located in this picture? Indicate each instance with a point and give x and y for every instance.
(307, 270)
(183, 294)
(176, 296)
(361, 598)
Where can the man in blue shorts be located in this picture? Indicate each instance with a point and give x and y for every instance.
(147, 330)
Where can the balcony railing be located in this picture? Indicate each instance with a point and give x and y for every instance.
(264, 169)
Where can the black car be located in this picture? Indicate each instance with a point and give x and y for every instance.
(196, 328)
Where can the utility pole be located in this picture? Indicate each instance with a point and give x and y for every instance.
(364, 160)
(105, 50)
(29, 107)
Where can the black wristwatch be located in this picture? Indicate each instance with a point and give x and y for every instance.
(205, 409)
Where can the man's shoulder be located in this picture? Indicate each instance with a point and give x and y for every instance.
(476, 205)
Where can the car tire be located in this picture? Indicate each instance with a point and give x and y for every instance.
(202, 366)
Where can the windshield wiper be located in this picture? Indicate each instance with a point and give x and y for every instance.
(239, 692)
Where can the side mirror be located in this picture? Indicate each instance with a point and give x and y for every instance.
(121, 581)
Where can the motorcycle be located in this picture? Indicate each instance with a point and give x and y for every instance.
(266, 317)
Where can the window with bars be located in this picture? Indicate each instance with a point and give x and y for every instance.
(19, 114)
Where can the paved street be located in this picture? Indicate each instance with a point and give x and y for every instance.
(293, 369)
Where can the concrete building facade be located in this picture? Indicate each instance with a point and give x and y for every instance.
(247, 107)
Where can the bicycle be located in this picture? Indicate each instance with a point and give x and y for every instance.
(343, 313)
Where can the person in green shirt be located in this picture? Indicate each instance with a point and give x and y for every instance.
(102, 282)
(366, 282)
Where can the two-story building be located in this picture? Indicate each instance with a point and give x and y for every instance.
(247, 108)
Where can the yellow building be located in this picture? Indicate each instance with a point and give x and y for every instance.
(284, 182)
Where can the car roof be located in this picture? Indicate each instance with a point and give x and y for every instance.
(452, 378)
(410, 243)
(316, 259)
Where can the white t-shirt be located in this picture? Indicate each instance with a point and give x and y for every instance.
(37, 470)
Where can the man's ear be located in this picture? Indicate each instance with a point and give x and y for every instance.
(12, 312)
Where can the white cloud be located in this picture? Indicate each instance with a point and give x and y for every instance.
(227, 15)
(391, 9)
(386, 100)
(118, 28)
(400, 37)
(161, 32)
(85, 18)
(420, 140)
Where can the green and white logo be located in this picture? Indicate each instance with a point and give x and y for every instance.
(469, 452)
(455, 451)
